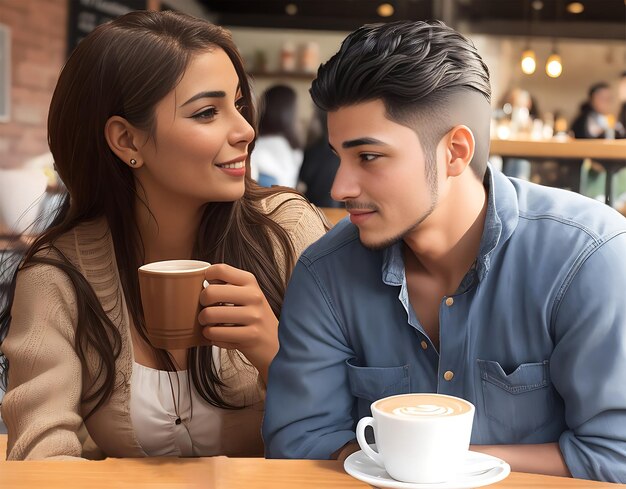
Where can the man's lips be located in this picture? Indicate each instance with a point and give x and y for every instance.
(359, 216)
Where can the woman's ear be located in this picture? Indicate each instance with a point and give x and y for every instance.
(121, 137)
(460, 150)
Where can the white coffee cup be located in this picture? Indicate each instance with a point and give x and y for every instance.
(421, 438)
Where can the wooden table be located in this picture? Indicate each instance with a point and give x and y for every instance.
(611, 154)
(334, 214)
(218, 473)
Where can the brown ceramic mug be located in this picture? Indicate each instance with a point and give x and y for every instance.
(170, 296)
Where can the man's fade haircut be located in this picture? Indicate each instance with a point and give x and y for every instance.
(429, 77)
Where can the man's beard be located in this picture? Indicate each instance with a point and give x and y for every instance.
(391, 241)
(431, 179)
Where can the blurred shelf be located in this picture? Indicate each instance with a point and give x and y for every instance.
(285, 75)
(605, 149)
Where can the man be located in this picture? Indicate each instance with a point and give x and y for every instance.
(449, 277)
(595, 119)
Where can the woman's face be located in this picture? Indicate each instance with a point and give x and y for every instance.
(200, 145)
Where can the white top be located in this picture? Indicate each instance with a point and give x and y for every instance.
(154, 417)
(273, 156)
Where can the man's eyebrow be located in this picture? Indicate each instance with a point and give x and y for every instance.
(215, 94)
(361, 142)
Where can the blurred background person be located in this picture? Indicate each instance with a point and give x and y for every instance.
(596, 120)
(621, 118)
(320, 164)
(277, 154)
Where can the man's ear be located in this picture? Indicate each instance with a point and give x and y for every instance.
(459, 150)
(122, 137)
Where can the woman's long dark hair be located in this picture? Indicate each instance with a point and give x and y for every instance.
(124, 68)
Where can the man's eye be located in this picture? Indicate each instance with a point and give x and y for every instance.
(368, 156)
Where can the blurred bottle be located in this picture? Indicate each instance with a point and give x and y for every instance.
(309, 57)
(260, 61)
(288, 57)
(560, 128)
(521, 122)
(548, 125)
(609, 130)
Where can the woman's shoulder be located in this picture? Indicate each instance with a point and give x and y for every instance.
(86, 234)
(304, 222)
(85, 247)
(288, 208)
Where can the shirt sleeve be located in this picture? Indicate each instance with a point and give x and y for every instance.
(588, 364)
(309, 404)
(42, 403)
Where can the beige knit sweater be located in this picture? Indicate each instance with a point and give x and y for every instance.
(43, 407)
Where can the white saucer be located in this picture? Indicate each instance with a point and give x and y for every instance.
(361, 467)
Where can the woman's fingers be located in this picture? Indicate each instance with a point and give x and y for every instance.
(237, 336)
(230, 275)
(216, 294)
(239, 315)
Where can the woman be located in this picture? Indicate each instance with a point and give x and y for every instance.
(278, 153)
(150, 126)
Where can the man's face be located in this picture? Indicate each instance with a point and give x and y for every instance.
(602, 101)
(622, 89)
(387, 183)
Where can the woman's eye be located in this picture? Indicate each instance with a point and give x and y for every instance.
(240, 104)
(207, 114)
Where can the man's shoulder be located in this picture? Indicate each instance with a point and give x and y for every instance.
(567, 210)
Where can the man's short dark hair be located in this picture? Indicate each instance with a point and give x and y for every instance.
(429, 77)
(596, 87)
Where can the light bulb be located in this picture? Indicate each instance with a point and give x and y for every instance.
(528, 62)
(554, 68)
(575, 8)
(385, 10)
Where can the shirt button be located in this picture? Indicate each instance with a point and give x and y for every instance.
(424, 345)
(448, 375)
(449, 301)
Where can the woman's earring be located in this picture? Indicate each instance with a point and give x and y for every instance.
(133, 161)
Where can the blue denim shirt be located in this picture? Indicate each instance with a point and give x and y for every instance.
(535, 336)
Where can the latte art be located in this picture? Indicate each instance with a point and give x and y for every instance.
(423, 406)
(423, 410)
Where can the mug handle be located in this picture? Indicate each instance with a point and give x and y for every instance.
(360, 437)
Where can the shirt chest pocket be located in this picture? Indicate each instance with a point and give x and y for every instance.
(369, 384)
(520, 402)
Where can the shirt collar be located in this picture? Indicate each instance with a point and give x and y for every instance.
(500, 221)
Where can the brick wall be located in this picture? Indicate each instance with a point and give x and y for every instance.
(38, 40)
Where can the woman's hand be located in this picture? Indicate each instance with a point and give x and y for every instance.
(236, 315)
